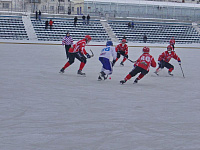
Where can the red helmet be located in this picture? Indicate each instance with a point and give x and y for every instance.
(169, 47)
(123, 40)
(146, 50)
(87, 37)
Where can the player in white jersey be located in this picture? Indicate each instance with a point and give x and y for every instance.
(104, 58)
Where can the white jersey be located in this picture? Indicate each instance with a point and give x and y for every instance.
(108, 52)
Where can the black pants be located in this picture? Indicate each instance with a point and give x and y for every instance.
(165, 64)
(67, 47)
(119, 53)
(77, 55)
(137, 70)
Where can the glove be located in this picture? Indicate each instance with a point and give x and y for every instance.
(126, 56)
(88, 55)
(179, 62)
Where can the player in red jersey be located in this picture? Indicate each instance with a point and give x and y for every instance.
(164, 58)
(78, 51)
(172, 42)
(121, 49)
(141, 66)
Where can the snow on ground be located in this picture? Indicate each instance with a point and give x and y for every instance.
(41, 109)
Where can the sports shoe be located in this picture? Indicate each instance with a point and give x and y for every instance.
(62, 70)
(80, 72)
(170, 73)
(123, 81)
(121, 64)
(136, 80)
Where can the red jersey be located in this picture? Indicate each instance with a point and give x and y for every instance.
(145, 61)
(172, 42)
(79, 46)
(166, 56)
(120, 47)
(50, 22)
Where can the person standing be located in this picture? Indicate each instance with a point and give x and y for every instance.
(129, 25)
(78, 51)
(145, 38)
(46, 24)
(83, 17)
(121, 49)
(75, 20)
(172, 42)
(88, 19)
(67, 42)
(164, 58)
(36, 15)
(141, 66)
(51, 24)
(40, 15)
(132, 24)
(104, 58)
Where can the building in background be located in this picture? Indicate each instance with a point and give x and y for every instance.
(166, 9)
(143, 9)
(45, 6)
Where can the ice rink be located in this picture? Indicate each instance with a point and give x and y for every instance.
(41, 109)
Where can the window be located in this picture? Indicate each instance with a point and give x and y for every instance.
(51, 7)
(77, 10)
(61, 8)
(5, 5)
(44, 7)
(35, 1)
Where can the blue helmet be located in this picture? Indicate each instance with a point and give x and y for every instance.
(109, 43)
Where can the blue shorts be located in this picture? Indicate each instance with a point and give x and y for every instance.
(106, 63)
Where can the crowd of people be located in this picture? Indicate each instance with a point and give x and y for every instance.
(141, 65)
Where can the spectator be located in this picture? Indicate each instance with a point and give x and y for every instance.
(145, 38)
(88, 19)
(124, 37)
(83, 17)
(132, 24)
(36, 15)
(75, 20)
(129, 25)
(51, 24)
(46, 24)
(40, 15)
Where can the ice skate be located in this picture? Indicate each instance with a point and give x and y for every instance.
(170, 73)
(103, 75)
(156, 73)
(122, 81)
(62, 70)
(136, 81)
(122, 64)
(99, 78)
(80, 73)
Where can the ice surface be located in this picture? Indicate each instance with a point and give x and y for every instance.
(41, 109)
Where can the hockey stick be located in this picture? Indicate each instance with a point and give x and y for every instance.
(92, 53)
(182, 71)
(131, 60)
